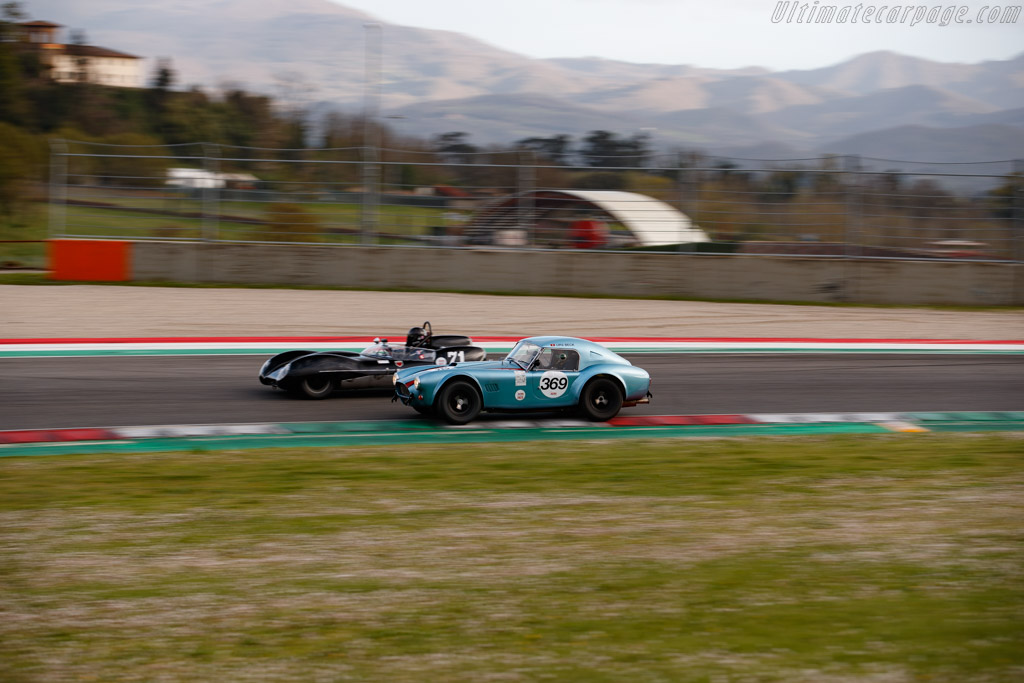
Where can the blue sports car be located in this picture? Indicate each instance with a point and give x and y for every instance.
(540, 373)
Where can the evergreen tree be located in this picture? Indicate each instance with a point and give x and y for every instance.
(13, 107)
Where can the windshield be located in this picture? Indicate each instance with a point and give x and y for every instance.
(524, 354)
(403, 353)
(377, 350)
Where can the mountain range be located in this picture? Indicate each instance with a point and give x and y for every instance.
(312, 53)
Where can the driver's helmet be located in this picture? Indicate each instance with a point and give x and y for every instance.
(417, 337)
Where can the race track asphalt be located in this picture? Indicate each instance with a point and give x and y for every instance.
(52, 393)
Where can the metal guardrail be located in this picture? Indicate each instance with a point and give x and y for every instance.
(831, 206)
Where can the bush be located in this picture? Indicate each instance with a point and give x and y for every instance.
(287, 222)
(20, 163)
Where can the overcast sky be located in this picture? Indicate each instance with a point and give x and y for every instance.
(716, 33)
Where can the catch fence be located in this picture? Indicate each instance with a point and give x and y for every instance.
(835, 206)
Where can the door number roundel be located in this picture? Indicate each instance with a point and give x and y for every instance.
(553, 383)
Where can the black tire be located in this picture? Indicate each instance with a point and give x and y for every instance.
(458, 403)
(317, 386)
(601, 400)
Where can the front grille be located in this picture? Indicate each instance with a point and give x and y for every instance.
(402, 390)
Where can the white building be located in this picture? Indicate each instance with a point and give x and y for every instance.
(200, 179)
(75, 63)
(81, 63)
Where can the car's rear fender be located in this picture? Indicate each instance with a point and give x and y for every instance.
(592, 373)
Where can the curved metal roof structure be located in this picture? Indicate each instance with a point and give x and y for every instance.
(651, 221)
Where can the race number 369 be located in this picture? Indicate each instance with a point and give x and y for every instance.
(553, 383)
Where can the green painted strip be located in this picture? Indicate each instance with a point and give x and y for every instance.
(1008, 426)
(398, 436)
(1004, 415)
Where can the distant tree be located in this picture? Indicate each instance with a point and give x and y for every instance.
(10, 13)
(12, 97)
(341, 130)
(164, 76)
(188, 117)
(555, 149)
(603, 149)
(729, 175)
(18, 164)
(600, 147)
(781, 186)
(600, 180)
(145, 167)
(454, 147)
(638, 148)
(249, 119)
(1007, 200)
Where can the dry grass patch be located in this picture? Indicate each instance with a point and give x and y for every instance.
(879, 559)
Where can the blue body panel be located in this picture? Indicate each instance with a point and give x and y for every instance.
(554, 381)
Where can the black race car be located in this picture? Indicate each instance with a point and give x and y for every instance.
(317, 374)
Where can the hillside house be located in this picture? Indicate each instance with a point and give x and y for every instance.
(73, 63)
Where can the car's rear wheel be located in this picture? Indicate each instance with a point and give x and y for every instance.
(459, 402)
(601, 400)
(317, 386)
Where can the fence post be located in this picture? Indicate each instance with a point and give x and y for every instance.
(371, 179)
(688, 185)
(58, 188)
(851, 226)
(211, 194)
(526, 181)
(372, 61)
(1017, 212)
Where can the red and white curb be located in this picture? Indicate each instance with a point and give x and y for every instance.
(144, 346)
(891, 421)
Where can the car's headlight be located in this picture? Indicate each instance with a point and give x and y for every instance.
(416, 383)
(394, 379)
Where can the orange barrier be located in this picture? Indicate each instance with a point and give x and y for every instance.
(90, 260)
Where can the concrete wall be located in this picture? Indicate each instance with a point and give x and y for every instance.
(770, 278)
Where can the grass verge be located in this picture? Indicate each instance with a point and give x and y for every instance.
(892, 558)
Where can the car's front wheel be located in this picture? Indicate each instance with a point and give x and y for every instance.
(458, 403)
(317, 386)
(601, 400)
